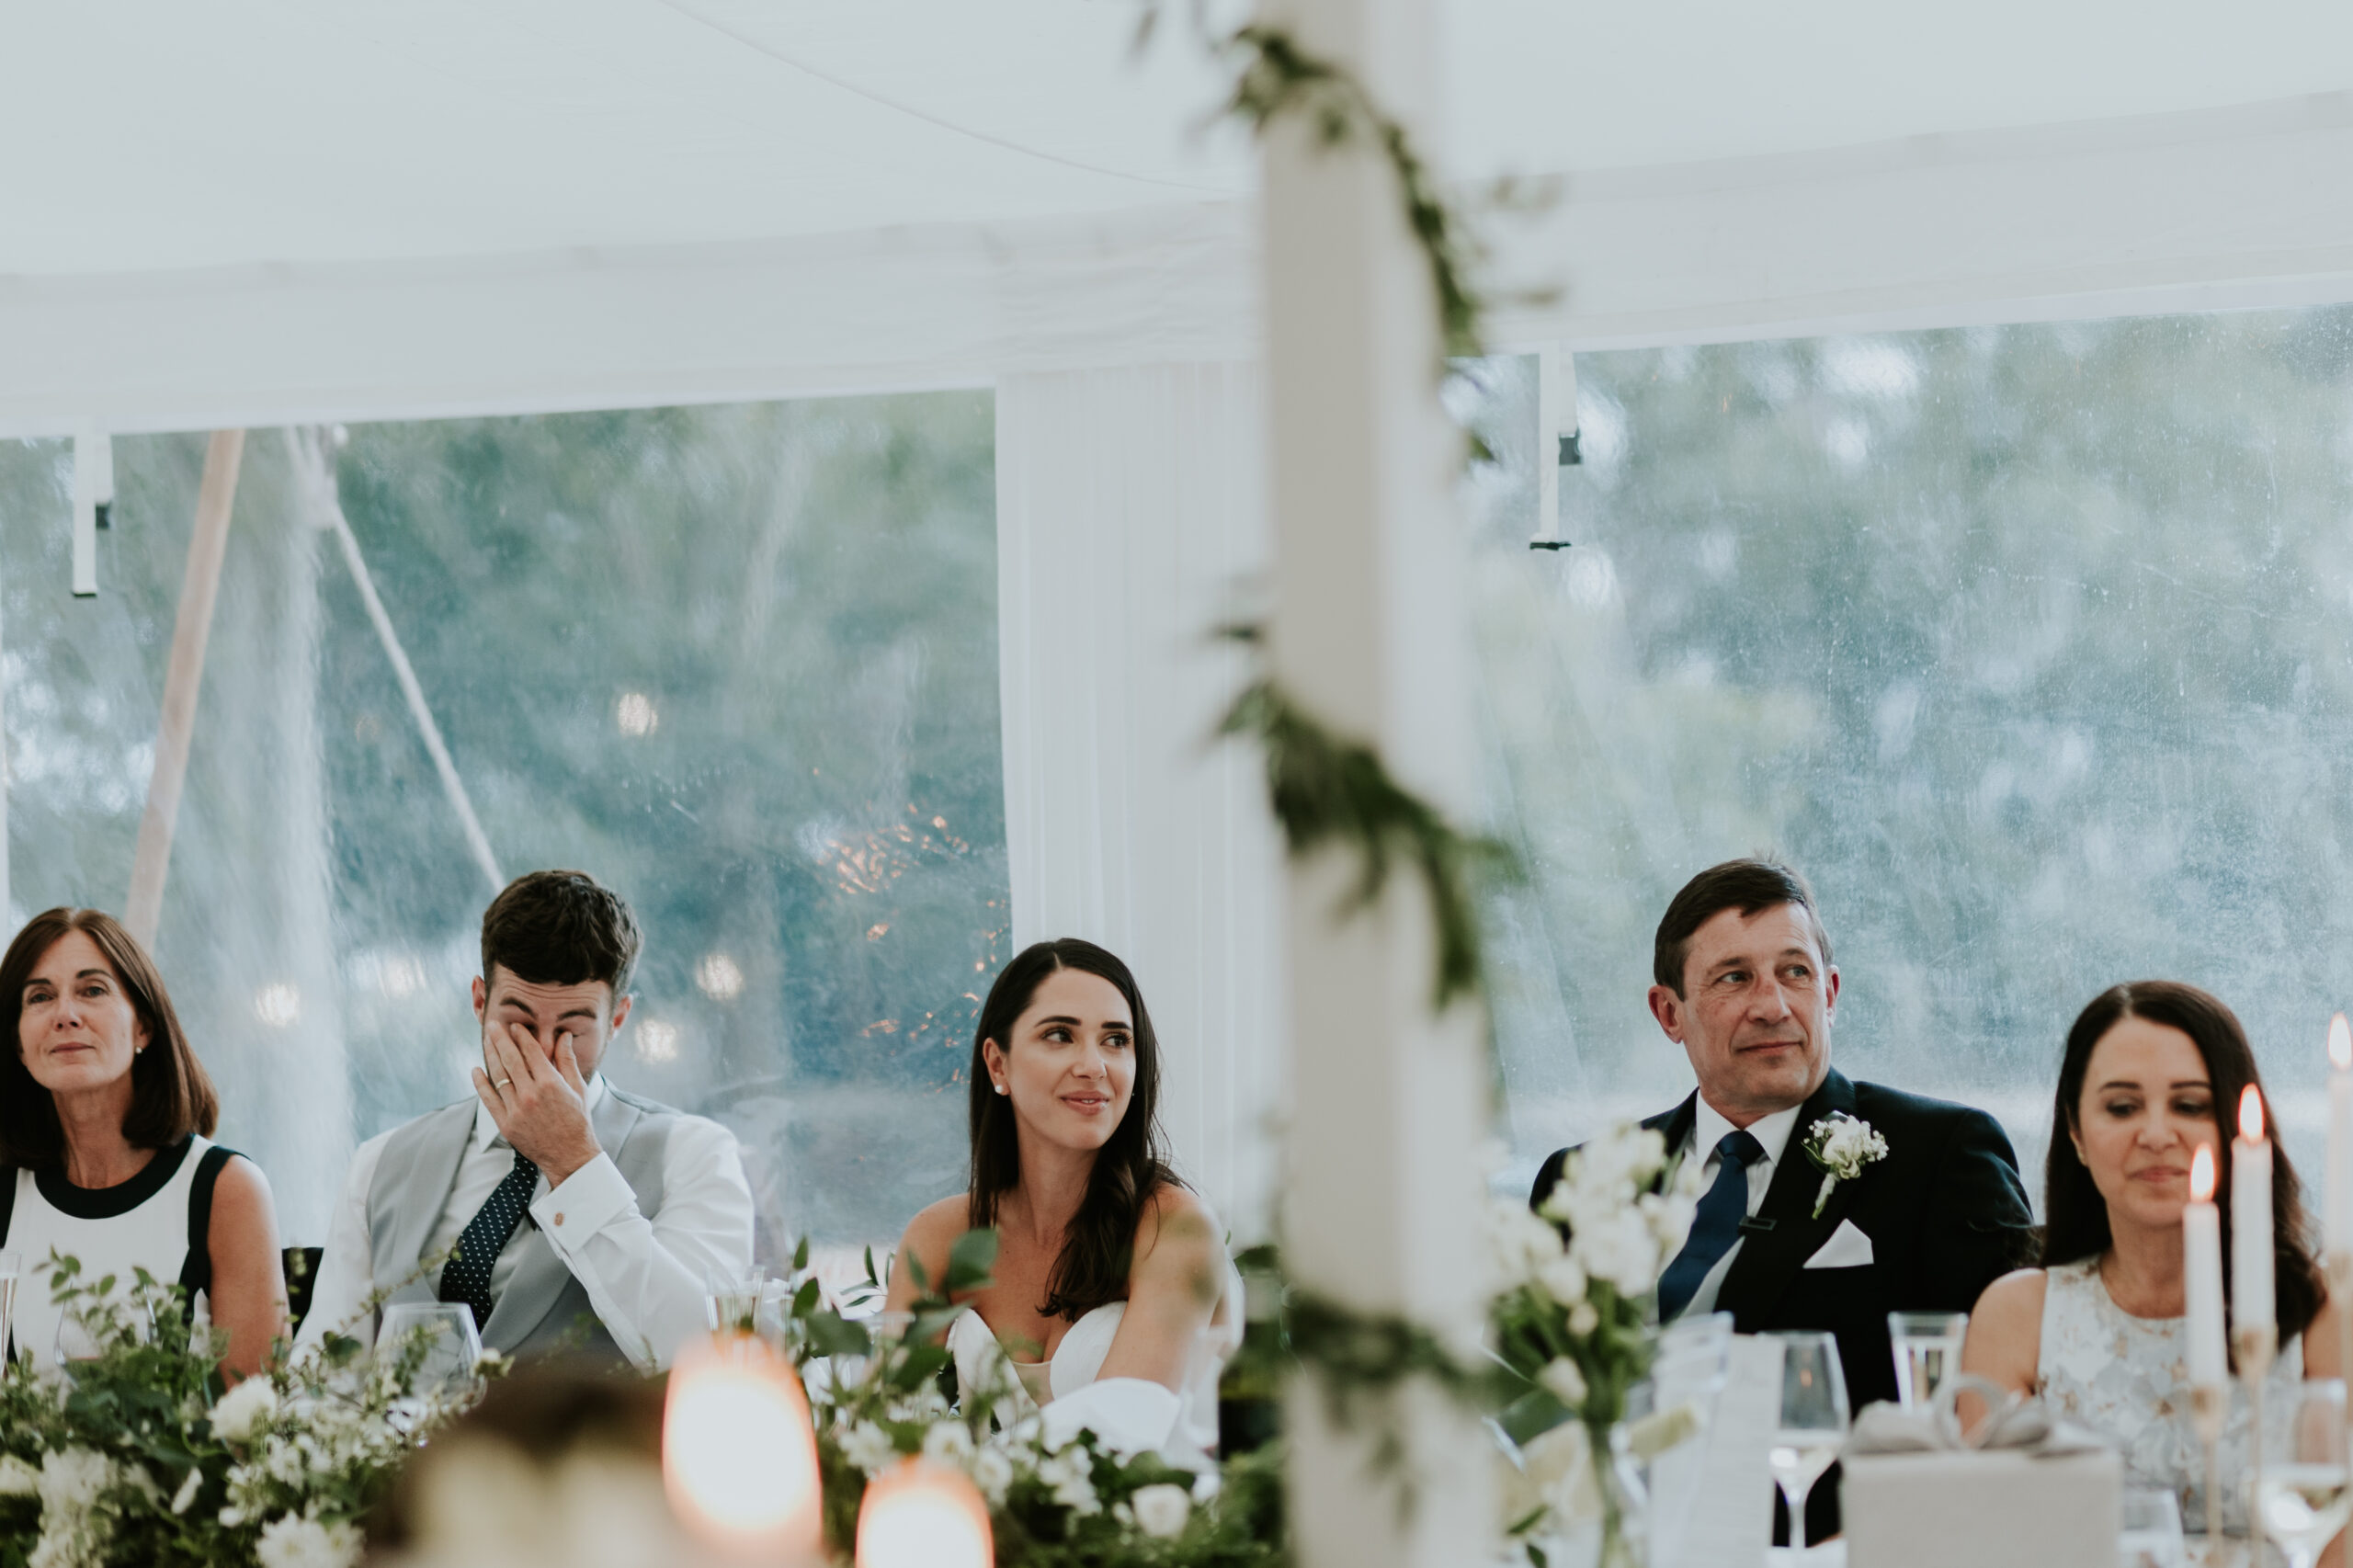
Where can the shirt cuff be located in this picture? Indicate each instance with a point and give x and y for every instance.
(591, 1198)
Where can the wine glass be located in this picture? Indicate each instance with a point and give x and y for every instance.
(2300, 1498)
(442, 1338)
(1812, 1423)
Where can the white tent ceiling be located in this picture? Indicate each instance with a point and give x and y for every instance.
(261, 209)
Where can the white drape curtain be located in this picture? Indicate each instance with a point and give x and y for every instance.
(1131, 522)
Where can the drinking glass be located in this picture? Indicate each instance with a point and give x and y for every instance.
(442, 1338)
(2300, 1498)
(1928, 1351)
(2152, 1537)
(1812, 1421)
(733, 1303)
(12, 1270)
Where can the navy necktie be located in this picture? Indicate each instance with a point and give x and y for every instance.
(466, 1276)
(1715, 1227)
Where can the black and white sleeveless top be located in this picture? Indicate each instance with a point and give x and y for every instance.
(160, 1221)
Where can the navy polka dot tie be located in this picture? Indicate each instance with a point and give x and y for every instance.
(466, 1278)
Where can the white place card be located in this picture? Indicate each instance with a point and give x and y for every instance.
(1727, 1521)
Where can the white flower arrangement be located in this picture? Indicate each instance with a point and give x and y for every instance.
(1573, 1318)
(152, 1464)
(1841, 1145)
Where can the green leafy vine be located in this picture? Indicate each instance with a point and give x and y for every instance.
(1276, 78)
(1326, 789)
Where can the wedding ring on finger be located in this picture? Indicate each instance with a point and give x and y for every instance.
(505, 1082)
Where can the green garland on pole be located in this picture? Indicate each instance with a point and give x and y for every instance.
(1325, 790)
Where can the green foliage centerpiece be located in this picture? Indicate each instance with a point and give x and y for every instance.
(882, 1391)
(139, 1455)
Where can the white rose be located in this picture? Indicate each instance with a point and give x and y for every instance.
(1584, 1318)
(992, 1473)
(246, 1411)
(18, 1478)
(290, 1541)
(1162, 1510)
(1621, 1249)
(1523, 1244)
(869, 1447)
(1561, 1380)
(71, 1479)
(1562, 1280)
(949, 1443)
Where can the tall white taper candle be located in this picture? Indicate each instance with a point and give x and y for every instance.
(2201, 1243)
(2252, 1306)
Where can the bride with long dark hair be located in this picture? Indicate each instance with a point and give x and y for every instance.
(1110, 1299)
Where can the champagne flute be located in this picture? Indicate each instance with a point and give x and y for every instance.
(1812, 1423)
(2301, 1499)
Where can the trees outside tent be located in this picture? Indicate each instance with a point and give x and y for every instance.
(739, 662)
(2030, 644)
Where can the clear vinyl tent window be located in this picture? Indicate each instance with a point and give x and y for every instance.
(2031, 645)
(739, 663)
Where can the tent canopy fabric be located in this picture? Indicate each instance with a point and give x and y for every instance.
(259, 210)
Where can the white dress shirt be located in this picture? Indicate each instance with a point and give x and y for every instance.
(1708, 1129)
(646, 1279)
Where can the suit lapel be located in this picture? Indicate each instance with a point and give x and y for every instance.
(1770, 1258)
(1675, 1126)
(540, 1273)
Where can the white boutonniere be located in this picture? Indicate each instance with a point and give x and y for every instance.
(1842, 1145)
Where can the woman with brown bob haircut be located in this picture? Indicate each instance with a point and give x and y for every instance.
(106, 1116)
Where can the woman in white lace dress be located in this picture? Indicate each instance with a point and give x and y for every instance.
(2099, 1331)
(1112, 1298)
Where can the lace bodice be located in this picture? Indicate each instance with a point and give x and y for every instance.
(2128, 1379)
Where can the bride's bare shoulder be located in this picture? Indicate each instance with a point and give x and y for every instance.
(2021, 1290)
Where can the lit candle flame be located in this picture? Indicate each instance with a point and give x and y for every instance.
(739, 1453)
(2202, 1175)
(922, 1516)
(2340, 1043)
(2251, 1115)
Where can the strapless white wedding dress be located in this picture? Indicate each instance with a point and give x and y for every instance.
(1128, 1413)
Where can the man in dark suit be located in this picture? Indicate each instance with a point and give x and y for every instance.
(1744, 982)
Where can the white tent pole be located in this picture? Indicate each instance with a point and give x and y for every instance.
(1370, 634)
(329, 504)
(199, 588)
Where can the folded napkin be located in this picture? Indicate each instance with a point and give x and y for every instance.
(2020, 1424)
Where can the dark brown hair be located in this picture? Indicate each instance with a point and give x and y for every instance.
(1746, 885)
(560, 929)
(1128, 1168)
(171, 1095)
(2075, 1216)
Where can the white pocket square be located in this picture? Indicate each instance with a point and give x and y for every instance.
(1846, 1248)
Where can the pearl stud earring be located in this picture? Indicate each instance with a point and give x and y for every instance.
(1000, 1089)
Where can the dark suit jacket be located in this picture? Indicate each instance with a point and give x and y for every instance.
(1945, 1211)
